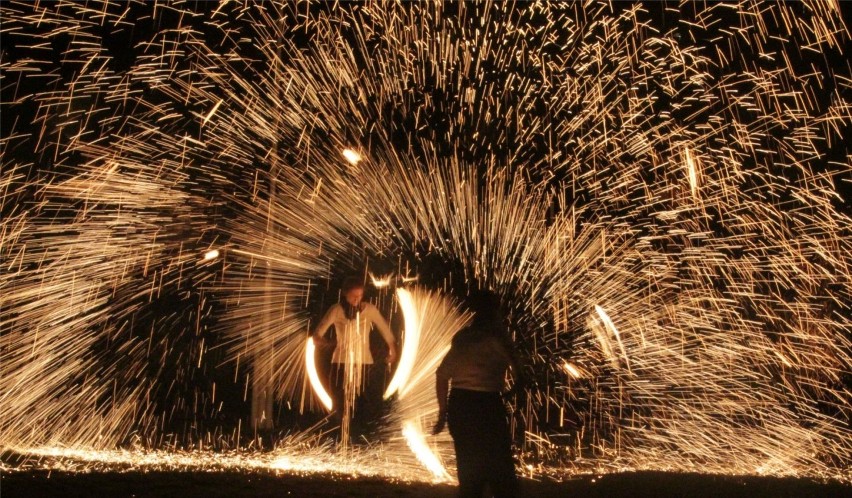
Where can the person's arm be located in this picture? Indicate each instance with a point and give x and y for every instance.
(442, 390)
(322, 329)
(382, 326)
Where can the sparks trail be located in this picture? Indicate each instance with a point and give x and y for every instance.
(658, 193)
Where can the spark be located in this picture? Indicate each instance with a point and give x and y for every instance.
(692, 171)
(352, 156)
(381, 282)
(610, 327)
(572, 370)
(212, 112)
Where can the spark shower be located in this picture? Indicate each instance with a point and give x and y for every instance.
(656, 190)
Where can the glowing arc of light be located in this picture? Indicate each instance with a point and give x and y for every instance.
(415, 440)
(611, 327)
(313, 376)
(427, 369)
(410, 343)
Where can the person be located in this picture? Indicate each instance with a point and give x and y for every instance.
(476, 366)
(351, 373)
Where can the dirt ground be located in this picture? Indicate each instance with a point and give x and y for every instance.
(37, 483)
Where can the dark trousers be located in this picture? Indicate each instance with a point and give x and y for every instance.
(480, 431)
(368, 405)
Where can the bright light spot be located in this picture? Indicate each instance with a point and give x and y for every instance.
(572, 370)
(421, 450)
(380, 282)
(283, 463)
(313, 376)
(352, 156)
(212, 254)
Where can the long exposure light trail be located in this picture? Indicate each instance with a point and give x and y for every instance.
(313, 374)
(659, 192)
(418, 445)
(410, 344)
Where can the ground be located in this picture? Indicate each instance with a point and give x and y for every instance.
(37, 483)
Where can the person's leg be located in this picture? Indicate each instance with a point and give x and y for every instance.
(335, 390)
(463, 410)
(364, 412)
(370, 406)
(469, 468)
(501, 473)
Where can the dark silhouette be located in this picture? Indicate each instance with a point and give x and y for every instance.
(476, 367)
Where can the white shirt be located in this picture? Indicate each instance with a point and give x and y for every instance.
(476, 365)
(353, 336)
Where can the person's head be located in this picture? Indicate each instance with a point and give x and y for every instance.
(352, 291)
(488, 318)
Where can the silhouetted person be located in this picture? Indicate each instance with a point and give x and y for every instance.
(476, 368)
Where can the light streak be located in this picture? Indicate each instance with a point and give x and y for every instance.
(610, 327)
(572, 370)
(410, 344)
(313, 375)
(417, 442)
(212, 112)
(692, 172)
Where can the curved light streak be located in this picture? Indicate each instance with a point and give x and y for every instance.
(426, 369)
(313, 376)
(410, 343)
(611, 327)
(422, 451)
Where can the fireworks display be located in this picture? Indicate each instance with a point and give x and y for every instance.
(658, 193)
